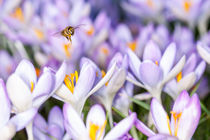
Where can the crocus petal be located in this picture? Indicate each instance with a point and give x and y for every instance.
(200, 70)
(45, 84)
(189, 119)
(143, 96)
(168, 58)
(85, 81)
(96, 116)
(5, 106)
(134, 63)
(131, 79)
(103, 80)
(39, 135)
(144, 129)
(204, 52)
(40, 123)
(181, 101)
(60, 75)
(162, 137)
(55, 131)
(39, 100)
(152, 52)
(26, 71)
(8, 131)
(121, 128)
(56, 117)
(75, 124)
(150, 73)
(187, 82)
(19, 93)
(190, 64)
(115, 83)
(160, 117)
(22, 119)
(176, 69)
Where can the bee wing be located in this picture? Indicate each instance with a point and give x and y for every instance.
(78, 26)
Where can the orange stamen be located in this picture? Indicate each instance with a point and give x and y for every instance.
(103, 74)
(39, 33)
(69, 81)
(179, 76)
(66, 48)
(132, 45)
(187, 6)
(32, 86)
(105, 50)
(90, 31)
(18, 14)
(156, 62)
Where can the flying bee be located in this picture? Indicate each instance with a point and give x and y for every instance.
(69, 31)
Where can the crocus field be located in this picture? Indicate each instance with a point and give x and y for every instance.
(104, 69)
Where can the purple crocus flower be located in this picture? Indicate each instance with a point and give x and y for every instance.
(156, 69)
(191, 73)
(78, 88)
(95, 124)
(184, 120)
(9, 126)
(25, 91)
(185, 10)
(54, 128)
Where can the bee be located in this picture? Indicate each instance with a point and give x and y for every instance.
(69, 31)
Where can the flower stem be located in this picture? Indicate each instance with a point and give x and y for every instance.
(29, 131)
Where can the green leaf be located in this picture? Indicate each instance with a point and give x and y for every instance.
(118, 112)
(140, 103)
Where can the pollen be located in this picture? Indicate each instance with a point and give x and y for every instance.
(66, 48)
(187, 6)
(18, 14)
(179, 76)
(132, 45)
(90, 31)
(71, 80)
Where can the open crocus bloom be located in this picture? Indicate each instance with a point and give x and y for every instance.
(155, 70)
(95, 124)
(191, 73)
(77, 88)
(9, 126)
(54, 127)
(184, 120)
(25, 91)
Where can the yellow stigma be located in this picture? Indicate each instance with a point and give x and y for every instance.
(66, 48)
(104, 50)
(94, 129)
(132, 45)
(187, 6)
(18, 14)
(90, 31)
(176, 117)
(32, 86)
(69, 81)
(156, 62)
(39, 33)
(179, 76)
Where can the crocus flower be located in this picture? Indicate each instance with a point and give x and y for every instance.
(25, 91)
(77, 88)
(156, 69)
(95, 124)
(54, 128)
(185, 10)
(184, 120)
(145, 9)
(9, 126)
(191, 73)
